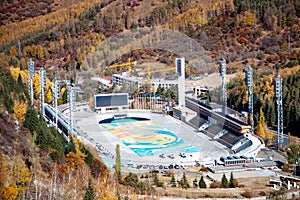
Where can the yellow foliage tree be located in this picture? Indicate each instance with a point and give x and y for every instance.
(293, 140)
(43, 22)
(3, 171)
(6, 192)
(260, 131)
(91, 102)
(75, 160)
(49, 96)
(48, 91)
(16, 178)
(261, 127)
(14, 72)
(36, 81)
(246, 19)
(20, 110)
(20, 174)
(24, 76)
(9, 193)
(269, 135)
(13, 51)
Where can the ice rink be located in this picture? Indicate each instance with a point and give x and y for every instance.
(144, 142)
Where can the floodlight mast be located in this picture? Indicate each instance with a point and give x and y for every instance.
(42, 73)
(249, 82)
(222, 63)
(30, 76)
(278, 91)
(72, 100)
(180, 70)
(57, 95)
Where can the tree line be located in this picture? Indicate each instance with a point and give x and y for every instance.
(264, 98)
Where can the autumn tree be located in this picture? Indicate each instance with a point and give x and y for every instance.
(9, 192)
(16, 178)
(49, 95)
(75, 160)
(293, 140)
(13, 51)
(36, 82)
(260, 128)
(20, 110)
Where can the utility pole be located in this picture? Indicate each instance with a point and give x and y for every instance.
(222, 63)
(278, 90)
(249, 82)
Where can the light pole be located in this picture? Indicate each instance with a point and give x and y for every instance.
(42, 73)
(222, 63)
(278, 90)
(30, 76)
(249, 82)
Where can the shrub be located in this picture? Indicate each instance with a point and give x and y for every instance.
(262, 193)
(131, 180)
(286, 168)
(247, 194)
(215, 184)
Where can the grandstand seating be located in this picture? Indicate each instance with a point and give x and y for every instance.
(208, 133)
(229, 139)
(197, 121)
(214, 129)
(245, 145)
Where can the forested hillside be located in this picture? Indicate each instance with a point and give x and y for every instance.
(265, 104)
(34, 158)
(65, 37)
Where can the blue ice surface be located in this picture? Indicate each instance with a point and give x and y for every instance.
(150, 148)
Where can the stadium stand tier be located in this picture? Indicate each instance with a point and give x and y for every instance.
(247, 143)
(229, 139)
(197, 121)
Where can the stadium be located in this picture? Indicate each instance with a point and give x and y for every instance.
(150, 137)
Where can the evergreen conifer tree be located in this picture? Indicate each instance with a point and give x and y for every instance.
(118, 162)
(232, 182)
(195, 183)
(202, 183)
(224, 181)
(173, 181)
(71, 146)
(89, 194)
(184, 181)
